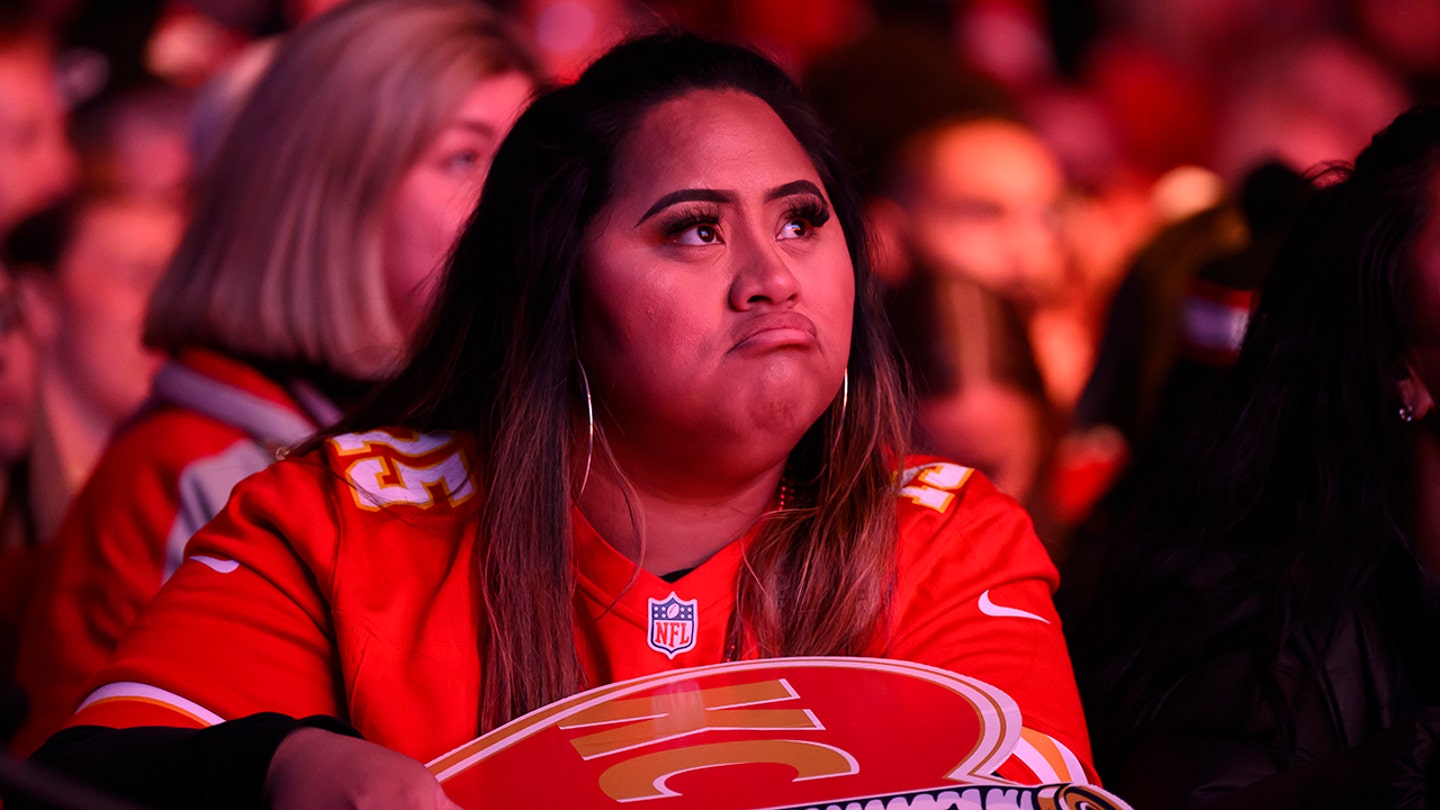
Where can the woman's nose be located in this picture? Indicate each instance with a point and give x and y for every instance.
(762, 275)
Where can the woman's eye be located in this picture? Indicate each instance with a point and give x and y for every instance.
(704, 233)
(804, 219)
(795, 229)
(462, 162)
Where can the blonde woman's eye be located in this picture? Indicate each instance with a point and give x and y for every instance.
(463, 161)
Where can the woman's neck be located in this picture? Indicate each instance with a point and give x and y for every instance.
(678, 522)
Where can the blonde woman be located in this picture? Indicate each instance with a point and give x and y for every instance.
(310, 262)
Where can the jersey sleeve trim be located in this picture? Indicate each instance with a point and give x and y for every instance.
(1049, 759)
(131, 691)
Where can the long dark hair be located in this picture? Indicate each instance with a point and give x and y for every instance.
(498, 359)
(1292, 504)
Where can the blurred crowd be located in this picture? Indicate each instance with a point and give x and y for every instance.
(1074, 202)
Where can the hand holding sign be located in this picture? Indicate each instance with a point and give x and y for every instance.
(314, 769)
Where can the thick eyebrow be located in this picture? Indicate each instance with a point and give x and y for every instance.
(716, 196)
(686, 195)
(794, 187)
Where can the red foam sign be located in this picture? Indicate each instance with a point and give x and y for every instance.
(769, 733)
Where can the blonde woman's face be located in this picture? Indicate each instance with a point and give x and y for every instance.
(437, 194)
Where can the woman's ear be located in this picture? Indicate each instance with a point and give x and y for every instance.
(1415, 395)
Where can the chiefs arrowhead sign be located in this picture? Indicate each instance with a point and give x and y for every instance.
(749, 734)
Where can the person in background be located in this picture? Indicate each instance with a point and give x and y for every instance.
(37, 166)
(657, 370)
(971, 204)
(958, 246)
(86, 233)
(37, 163)
(1176, 330)
(1266, 627)
(981, 196)
(88, 265)
(308, 265)
(134, 142)
(1141, 340)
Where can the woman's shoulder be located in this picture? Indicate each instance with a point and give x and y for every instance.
(203, 409)
(936, 489)
(349, 500)
(166, 439)
(375, 472)
(947, 509)
(401, 468)
(162, 463)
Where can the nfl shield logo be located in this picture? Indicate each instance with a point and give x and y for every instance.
(672, 625)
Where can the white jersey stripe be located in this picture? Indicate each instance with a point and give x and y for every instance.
(154, 694)
(1036, 762)
(1050, 760)
(1072, 764)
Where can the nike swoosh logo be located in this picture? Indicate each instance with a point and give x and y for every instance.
(222, 566)
(991, 609)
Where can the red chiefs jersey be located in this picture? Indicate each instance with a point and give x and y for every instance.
(345, 583)
(210, 422)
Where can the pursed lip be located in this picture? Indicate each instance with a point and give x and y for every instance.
(774, 330)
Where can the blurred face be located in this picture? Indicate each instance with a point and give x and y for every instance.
(17, 377)
(984, 205)
(36, 162)
(149, 153)
(105, 275)
(717, 291)
(437, 194)
(1424, 355)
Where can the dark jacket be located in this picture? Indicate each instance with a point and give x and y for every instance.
(1359, 732)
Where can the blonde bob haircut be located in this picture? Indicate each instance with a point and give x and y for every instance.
(282, 260)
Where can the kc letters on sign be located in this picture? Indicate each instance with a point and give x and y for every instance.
(774, 733)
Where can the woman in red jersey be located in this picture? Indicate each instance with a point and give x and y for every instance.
(655, 384)
(319, 231)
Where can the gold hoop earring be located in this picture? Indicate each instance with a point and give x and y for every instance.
(589, 428)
